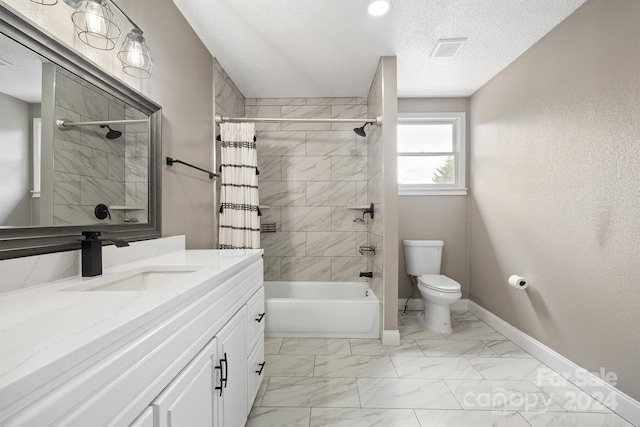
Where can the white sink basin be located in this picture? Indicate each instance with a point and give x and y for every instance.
(140, 279)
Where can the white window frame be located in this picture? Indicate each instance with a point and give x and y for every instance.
(458, 188)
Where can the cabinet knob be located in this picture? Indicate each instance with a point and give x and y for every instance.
(261, 368)
(259, 318)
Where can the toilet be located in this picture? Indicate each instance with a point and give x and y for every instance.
(422, 260)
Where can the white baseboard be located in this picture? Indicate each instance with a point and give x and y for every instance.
(417, 304)
(627, 407)
(391, 337)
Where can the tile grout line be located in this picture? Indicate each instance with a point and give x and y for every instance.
(415, 414)
(358, 392)
(452, 394)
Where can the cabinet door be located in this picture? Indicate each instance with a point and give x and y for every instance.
(189, 399)
(233, 359)
(255, 371)
(255, 318)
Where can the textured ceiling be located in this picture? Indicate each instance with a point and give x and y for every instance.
(309, 48)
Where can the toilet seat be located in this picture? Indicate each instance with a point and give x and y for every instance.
(439, 283)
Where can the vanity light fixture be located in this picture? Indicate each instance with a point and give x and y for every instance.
(95, 24)
(135, 55)
(379, 7)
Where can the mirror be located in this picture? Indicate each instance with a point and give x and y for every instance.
(98, 172)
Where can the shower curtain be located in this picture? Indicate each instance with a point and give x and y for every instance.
(239, 223)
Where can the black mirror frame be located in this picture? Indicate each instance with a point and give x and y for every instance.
(19, 242)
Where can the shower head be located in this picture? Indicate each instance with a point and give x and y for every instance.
(360, 131)
(112, 134)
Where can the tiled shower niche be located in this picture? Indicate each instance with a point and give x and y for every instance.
(311, 174)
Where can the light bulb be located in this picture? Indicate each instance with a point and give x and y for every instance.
(95, 21)
(135, 56)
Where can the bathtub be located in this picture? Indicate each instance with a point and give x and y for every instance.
(321, 310)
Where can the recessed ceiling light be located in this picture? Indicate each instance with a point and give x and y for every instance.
(379, 7)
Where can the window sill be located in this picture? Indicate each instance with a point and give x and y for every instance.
(432, 191)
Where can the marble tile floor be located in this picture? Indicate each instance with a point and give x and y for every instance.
(473, 377)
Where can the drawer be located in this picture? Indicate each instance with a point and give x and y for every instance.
(255, 317)
(255, 371)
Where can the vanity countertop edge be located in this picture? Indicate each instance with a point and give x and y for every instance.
(45, 330)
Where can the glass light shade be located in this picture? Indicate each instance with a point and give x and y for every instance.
(95, 24)
(45, 2)
(136, 56)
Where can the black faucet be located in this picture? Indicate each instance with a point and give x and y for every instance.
(92, 252)
(366, 274)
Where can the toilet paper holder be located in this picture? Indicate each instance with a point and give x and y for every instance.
(517, 282)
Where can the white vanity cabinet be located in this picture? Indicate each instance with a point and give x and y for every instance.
(218, 387)
(195, 364)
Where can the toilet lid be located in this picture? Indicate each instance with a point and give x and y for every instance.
(439, 283)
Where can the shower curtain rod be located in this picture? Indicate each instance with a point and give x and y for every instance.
(63, 123)
(221, 119)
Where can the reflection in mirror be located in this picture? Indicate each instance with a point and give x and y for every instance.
(20, 125)
(91, 178)
(58, 177)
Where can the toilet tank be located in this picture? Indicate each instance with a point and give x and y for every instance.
(422, 256)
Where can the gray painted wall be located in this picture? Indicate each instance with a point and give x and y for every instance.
(435, 217)
(15, 163)
(555, 178)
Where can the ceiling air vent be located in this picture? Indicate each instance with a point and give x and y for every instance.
(447, 48)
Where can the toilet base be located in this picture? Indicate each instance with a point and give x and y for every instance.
(436, 317)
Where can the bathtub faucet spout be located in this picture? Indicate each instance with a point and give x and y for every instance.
(366, 274)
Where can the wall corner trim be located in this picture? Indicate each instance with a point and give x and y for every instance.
(627, 407)
(391, 337)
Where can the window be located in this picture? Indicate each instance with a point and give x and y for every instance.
(431, 154)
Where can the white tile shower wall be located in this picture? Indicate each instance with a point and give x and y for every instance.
(136, 166)
(90, 169)
(310, 173)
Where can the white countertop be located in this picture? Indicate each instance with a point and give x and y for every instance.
(43, 325)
